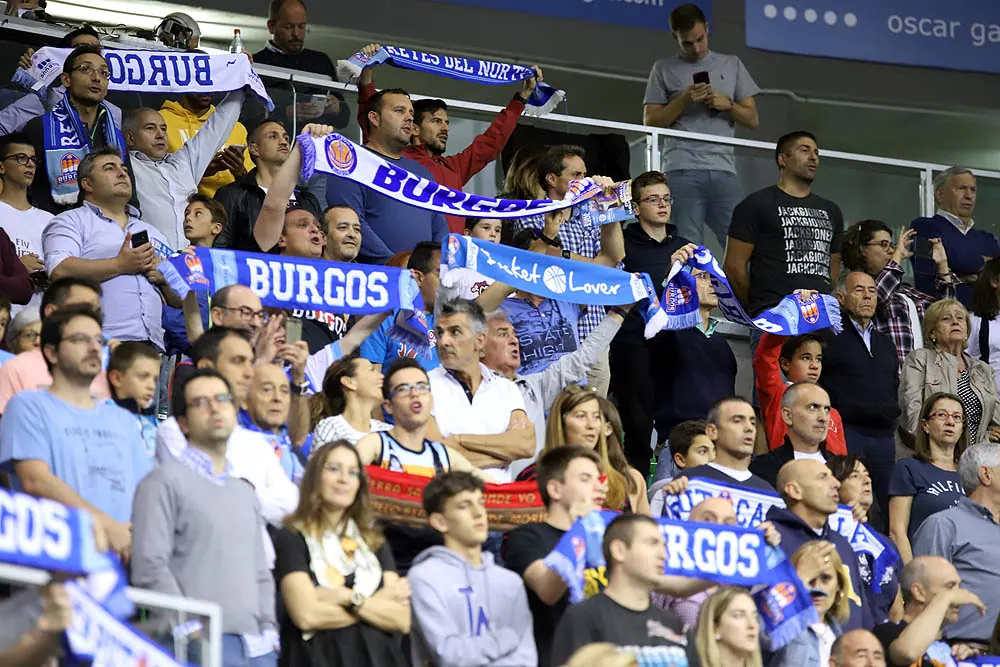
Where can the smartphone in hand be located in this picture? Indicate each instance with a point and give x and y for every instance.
(293, 330)
(922, 248)
(700, 77)
(140, 239)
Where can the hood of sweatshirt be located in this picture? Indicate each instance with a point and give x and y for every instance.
(466, 589)
(174, 107)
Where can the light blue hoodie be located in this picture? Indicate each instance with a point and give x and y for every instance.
(465, 616)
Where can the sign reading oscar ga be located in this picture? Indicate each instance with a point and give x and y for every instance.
(39, 533)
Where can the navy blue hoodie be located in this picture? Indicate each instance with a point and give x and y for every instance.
(795, 532)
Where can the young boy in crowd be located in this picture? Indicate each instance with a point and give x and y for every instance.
(133, 371)
(464, 283)
(687, 447)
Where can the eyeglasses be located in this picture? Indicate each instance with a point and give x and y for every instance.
(30, 335)
(941, 415)
(76, 339)
(656, 200)
(204, 401)
(888, 246)
(89, 70)
(418, 388)
(22, 158)
(340, 471)
(248, 314)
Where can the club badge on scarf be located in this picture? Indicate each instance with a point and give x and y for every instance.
(544, 99)
(338, 155)
(752, 508)
(552, 277)
(153, 72)
(791, 317)
(295, 282)
(45, 535)
(727, 555)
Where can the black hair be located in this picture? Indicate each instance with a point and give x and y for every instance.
(447, 485)
(427, 106)
(792, 344)
(14, 138)
(78, 52)
(685, 17)
(985, 297)
(396, 365)
(785, 142)
(422, 257)
(66, 42)
(553, 464)
(127, 352)
(682, 436)
(58, 290)
(209, 344)
(375, 103)
(622, 529)
(179, 399)
(552, 161)
(856, 237)
(54, 324)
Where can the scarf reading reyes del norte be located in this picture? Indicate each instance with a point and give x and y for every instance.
(752, 508)
(553, 277)
(728, 555)
(45, 535)
(543, 99)
(310, 284)
(791, 317)
(338, 155)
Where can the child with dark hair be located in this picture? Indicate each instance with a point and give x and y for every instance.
(780, 362)
(687, 446)
(133, 373)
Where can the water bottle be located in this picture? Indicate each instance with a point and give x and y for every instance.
(236, 46)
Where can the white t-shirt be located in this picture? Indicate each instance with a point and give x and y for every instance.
(25, 231)
(814, 456)
(739, 475)
(487, 414)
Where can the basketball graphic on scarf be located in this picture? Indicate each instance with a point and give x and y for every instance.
(554, 279)
(341, 155)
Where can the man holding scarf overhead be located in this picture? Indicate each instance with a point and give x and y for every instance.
(79, 123)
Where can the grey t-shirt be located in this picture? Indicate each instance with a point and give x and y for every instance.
(670, 77)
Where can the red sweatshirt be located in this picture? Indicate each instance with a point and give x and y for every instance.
(770, 389)
(456, 170)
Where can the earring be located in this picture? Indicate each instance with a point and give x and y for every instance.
(718, 638)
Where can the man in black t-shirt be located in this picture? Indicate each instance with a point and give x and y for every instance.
(622, 614)
(784, 237)
(932, 596)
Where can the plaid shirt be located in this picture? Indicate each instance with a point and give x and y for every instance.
(580, 238)
(892, 317)
(199, 462)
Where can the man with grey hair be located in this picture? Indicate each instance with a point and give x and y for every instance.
(968, 536)
(95, 241)
(932, 598)
(805, 409)
(861, 375)
(857, 648)
(503, 355)
(479, 412)
(967, 248)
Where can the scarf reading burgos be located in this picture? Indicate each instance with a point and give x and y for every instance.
(42, 534)
(543, 99)
(791, 317)
(752, 508)
(396, 497)
(727, 555)
(552, 277)
(337, 155)
(153, 72)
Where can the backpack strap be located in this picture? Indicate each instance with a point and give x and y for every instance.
(984, 340)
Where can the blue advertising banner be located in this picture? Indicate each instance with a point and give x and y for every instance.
(958, 35)
(650, 14)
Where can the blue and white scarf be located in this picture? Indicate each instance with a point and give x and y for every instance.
(153, 72)
(552, 277)
(752, 508)
(981, 661)
(338, 155)
(543, 99)
(791, 317)
(726, 555)
(67, 141)
(45, 535)
(295, 282)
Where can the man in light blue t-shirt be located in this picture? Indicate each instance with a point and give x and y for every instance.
(700, 91)
(62, 444)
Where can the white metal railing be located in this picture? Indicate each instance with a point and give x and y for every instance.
(184, 607)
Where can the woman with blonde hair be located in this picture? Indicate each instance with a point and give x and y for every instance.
(346, 605)
(576, 418)
(822, 571)
(728, 631)
(943, 365)
(928, 482)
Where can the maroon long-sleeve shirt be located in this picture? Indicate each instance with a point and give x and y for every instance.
(15, 283)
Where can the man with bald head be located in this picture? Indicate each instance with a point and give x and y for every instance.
(810, 492)
(857, 648)
(932, 597)
(805, 409)
(861, 374)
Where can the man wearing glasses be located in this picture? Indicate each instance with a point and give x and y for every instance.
(62, 443)
(22, 221)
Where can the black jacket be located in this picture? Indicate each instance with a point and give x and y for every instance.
(863, 386)
(243, 199)
(767, 465)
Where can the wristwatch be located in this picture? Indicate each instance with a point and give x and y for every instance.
(566, 254)
(357, 600)
(300, 389)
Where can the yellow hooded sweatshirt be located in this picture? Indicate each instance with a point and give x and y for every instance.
(182, 125)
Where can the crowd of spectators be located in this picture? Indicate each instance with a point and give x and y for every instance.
(150, 410)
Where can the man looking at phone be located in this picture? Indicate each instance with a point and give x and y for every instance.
(706, 92)
(104, 240)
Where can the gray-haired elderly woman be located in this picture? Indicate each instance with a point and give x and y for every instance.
(944, 366)
(24, 331)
